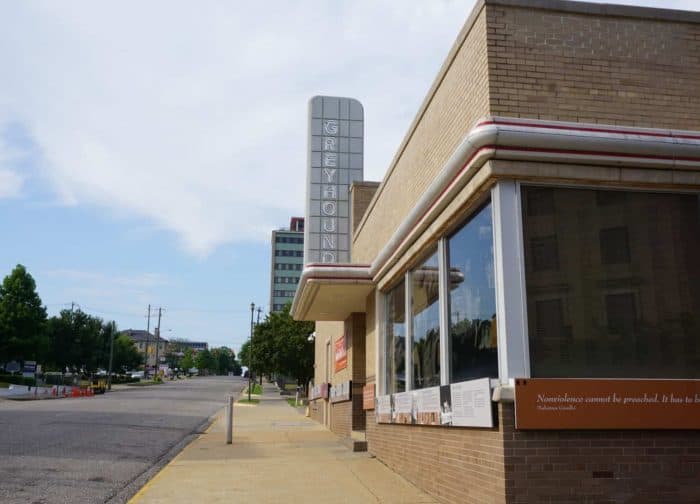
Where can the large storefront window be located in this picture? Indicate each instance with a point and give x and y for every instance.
(613, 283)
(472, 301)
(425, 313)
(396, 339)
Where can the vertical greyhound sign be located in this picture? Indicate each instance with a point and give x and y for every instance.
(336, 151)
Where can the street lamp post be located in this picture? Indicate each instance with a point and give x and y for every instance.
(250, 351)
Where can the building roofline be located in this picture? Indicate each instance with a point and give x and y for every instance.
(512, 139)
(574, 7)
(603, 9)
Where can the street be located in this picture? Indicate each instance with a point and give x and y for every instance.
(103, 448)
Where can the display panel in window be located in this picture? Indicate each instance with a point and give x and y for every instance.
(472, 300)
(395, 340)
(628, 285)
(425, 313)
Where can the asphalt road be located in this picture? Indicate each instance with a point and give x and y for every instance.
(103, 448)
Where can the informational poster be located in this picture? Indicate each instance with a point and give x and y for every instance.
(426, 406)
(383, 410)
(471, 403)
(341, 354)
(341, 392)
(368, 397)
(319, 391)
(550, 403)
(464, 404)
(403, 408)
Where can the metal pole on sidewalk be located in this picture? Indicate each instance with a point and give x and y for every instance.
(250, 352)
(229, 421)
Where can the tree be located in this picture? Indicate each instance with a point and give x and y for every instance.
(79, 341)
(187, 360)
(236, 368)
(223, 357)
(244, 354)
(22, 318)
(126, 355)
(204, 361)
(281, 345)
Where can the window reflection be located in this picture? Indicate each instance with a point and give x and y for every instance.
(396, 339)
(425, 313)
(624, 299)
(472, 303)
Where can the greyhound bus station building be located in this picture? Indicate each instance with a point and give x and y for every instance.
(520, 317)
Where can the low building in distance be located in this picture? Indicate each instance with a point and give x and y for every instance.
(182, 345)
(146, 344)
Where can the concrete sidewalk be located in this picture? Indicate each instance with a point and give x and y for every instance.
(277, 455)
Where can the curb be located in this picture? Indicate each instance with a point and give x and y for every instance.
(131, 490)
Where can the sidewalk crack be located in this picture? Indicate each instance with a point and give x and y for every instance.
(362, 483)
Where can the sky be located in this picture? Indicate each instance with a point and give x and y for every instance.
(148, 149)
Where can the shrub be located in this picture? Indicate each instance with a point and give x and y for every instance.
(17, 379)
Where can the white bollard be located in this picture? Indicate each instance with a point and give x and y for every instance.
(229, 421)
(296, 401)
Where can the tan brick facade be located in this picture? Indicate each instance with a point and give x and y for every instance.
(460, 97)
(454, 465)
(570, 66)
(540, 60)
(600, 466)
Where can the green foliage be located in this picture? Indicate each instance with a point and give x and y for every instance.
(281, 345)
(81, 342)
(22, 318)
(15, 379)
(187, 361)
(257, 389)
(223, 358)
(244, 354)
(205, 362)
(126, 355)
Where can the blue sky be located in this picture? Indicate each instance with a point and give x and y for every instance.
(147, 150)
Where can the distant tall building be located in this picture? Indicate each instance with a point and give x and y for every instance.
(286, 263)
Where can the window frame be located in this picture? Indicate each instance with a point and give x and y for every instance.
(508, 196)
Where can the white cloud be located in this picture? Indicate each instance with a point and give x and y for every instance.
(10, 183)
(193, 114)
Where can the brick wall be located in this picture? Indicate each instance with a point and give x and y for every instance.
(452, 464)
(356, 332)
(600, 466)
(316, 410)
(341, 418)
(573, 66)
(361, 194)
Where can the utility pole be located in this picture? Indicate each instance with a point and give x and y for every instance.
(148, 337)
(158, 340)
(111, 354)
